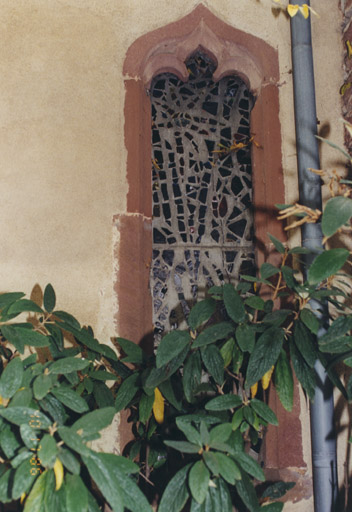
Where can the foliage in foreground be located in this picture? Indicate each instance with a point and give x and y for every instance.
(197, 406)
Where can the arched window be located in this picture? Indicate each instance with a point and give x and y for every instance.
(201, 187)
(237, 55)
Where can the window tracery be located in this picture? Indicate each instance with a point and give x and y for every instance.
(201, 186)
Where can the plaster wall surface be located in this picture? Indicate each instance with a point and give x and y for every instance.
(62, 148)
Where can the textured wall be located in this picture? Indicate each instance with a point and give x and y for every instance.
(61, 118)
(62, 153)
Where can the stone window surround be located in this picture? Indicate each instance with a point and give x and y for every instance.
(256, 62)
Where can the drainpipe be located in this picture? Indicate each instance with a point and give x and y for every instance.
(322, 409)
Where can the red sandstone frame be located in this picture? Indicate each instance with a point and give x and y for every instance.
(236, 53)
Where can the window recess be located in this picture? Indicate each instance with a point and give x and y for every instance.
(201, 188)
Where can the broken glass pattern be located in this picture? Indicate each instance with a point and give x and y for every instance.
(201, 187)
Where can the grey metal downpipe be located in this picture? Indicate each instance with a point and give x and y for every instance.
(324, 458)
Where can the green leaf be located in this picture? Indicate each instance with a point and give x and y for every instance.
(338, 345)
(245, 337)
(29, 361)
(8, 441)
(21, 336)
(223, 403)
(337, 212)
(264, 354)
(68, 365)
(284, 381)
(23, 479)
(145, 407)
(204, 433)
(42, 385)
(249, 415)
(119, 467)
(20, 415)
(201, 312)
(92, 504)
(214, 333)
(220, 498)
(105, 480)
(277, 490)
(227, 352)
(247, 493)
(54, 408)
(220, 433)
(198, 481)
(126, 392)
(327, 264)
(19, 458)
(304, 373)
(233, 304)
(133, 351)
(228, 468)
(299, 250)
(48, 451)
(49, 298)
(167, 391)
(183, 446)
(102, 394)
(338, 328)
(29, 435)
(35, 500)
(110, 354)
(268, 270)
(171, 346)
(70, 398)
(277, 244)
(73, 440)
(213, 362)
(192, 373)
(237, 418)
(11, 378)
(54, 500)
(211, 461)
(250, 465)
(76, 494)
(189, 431)
(24, 305)
(176, 493)
(305, 343)
(67, 319)
(56, 338)
(310, 320)
(69, 461)
(255, 303)
(120, 463)
(264, 411)
(8, 298)
(217, 498)
(158, 375)
(277, 318)
(5, 486)
(237, 359)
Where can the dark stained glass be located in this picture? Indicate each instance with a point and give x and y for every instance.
(202, 188)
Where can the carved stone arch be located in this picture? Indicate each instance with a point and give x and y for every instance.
(234, 51)
(166, 50)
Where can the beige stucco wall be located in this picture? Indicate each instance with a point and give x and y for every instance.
(62, 153)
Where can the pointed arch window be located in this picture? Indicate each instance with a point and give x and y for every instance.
(201, 187)
(239, 54)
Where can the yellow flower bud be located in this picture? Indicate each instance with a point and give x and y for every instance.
(267, 377)
(158, 406)
(59, 473)
(254, 390)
